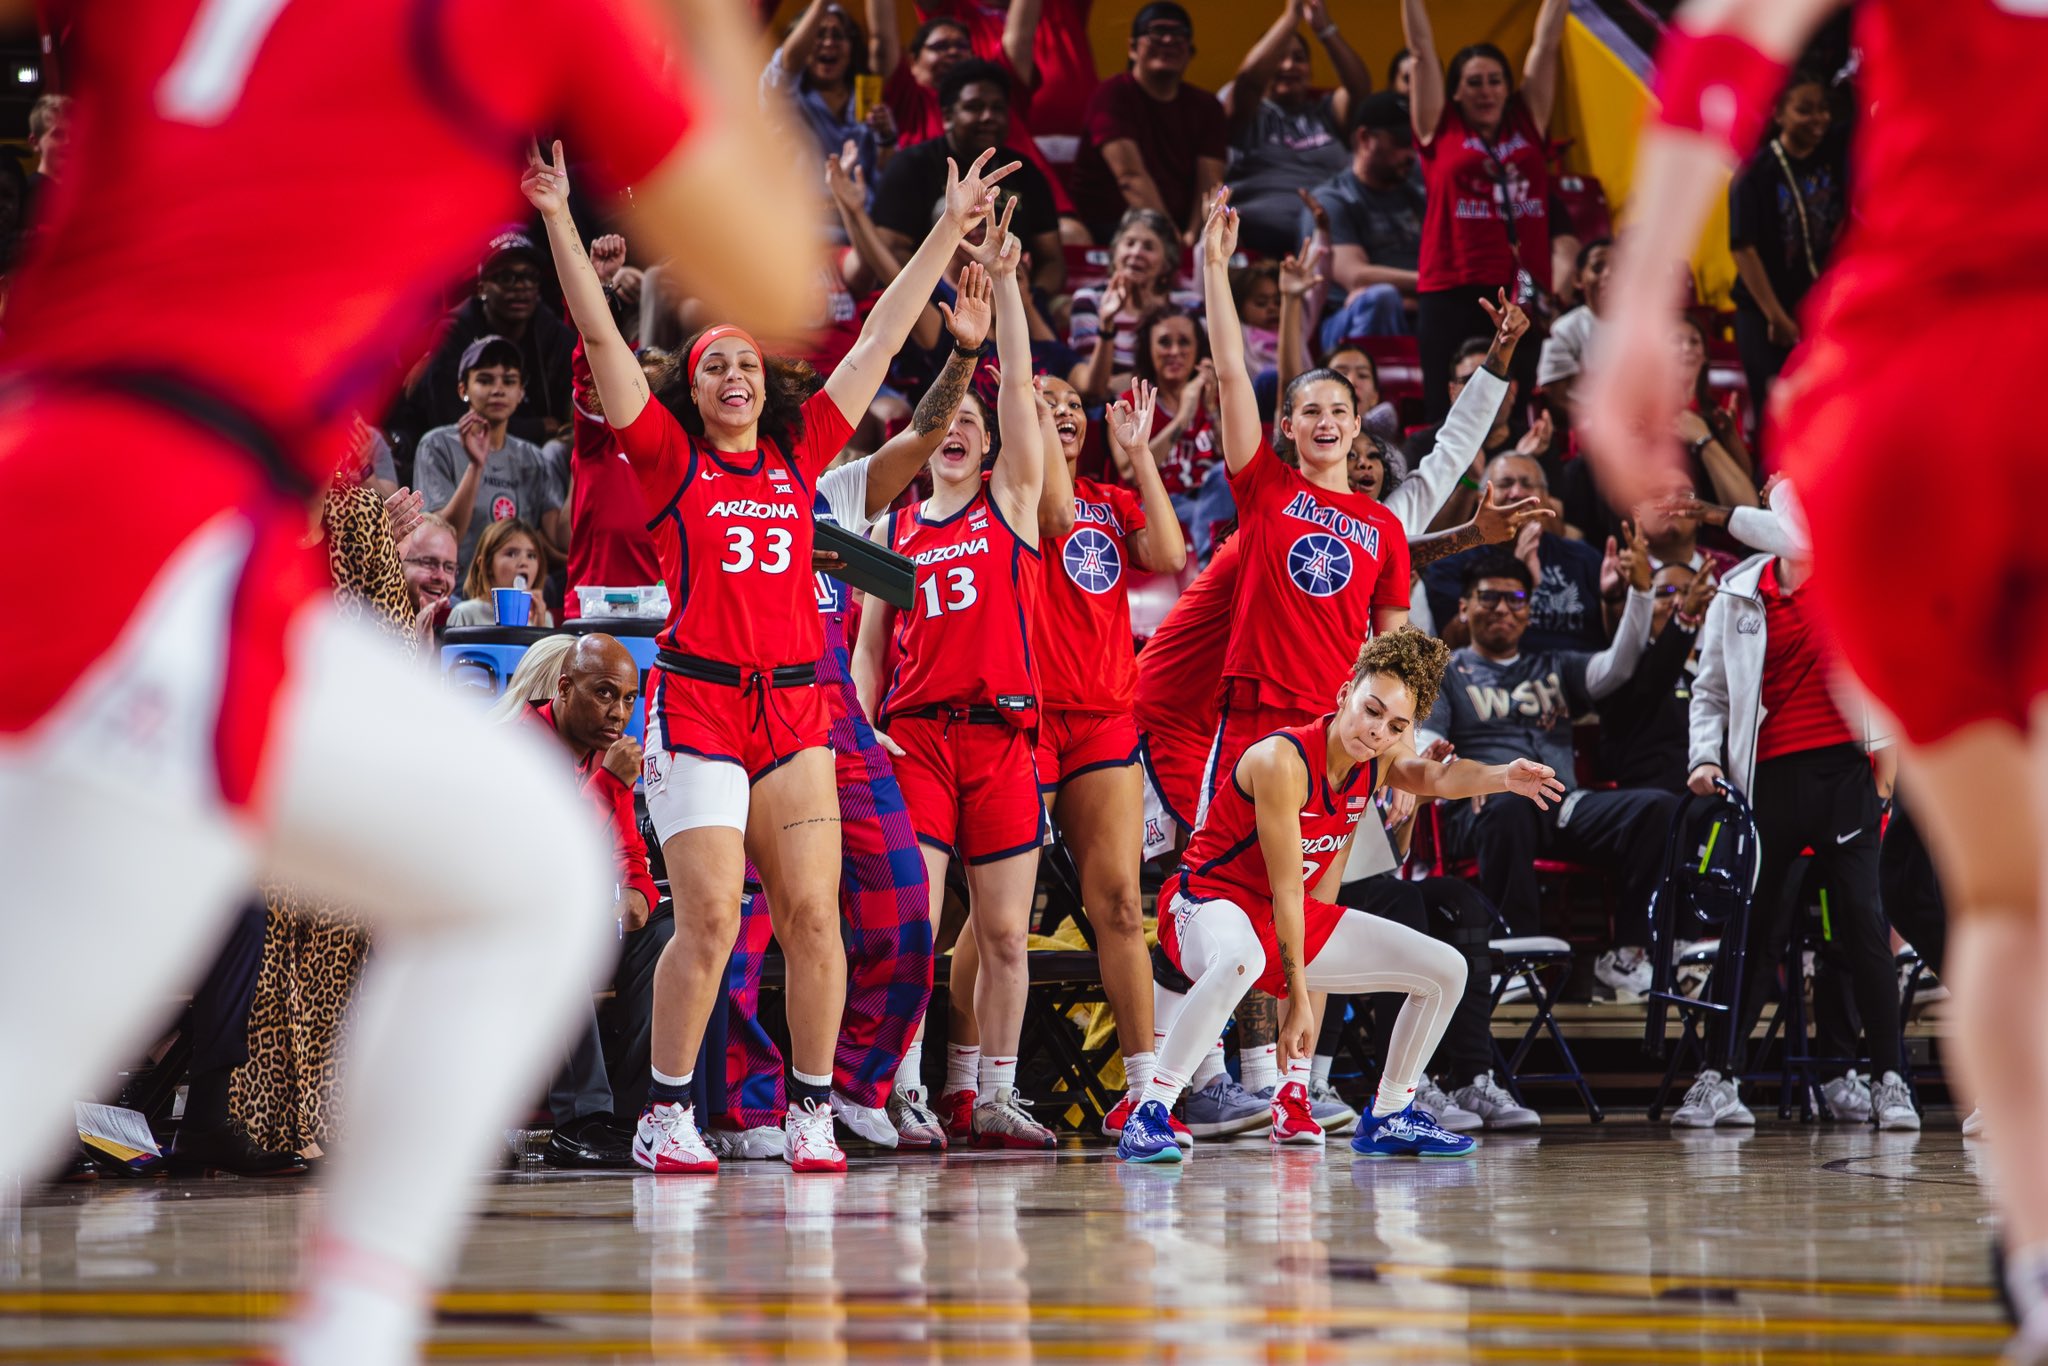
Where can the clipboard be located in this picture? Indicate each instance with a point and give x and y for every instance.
(869, 567)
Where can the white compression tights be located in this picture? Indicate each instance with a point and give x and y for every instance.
(1222, 956)
(481, 870)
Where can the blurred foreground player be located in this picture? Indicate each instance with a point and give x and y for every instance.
(176, 730)
(1945, 238)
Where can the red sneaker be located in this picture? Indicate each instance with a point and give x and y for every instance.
(956, 1110)
(1293, 1122)
(1113, 1122)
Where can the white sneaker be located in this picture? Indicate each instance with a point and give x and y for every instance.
(1712, 1101)
(808, 1142)
(1332, 1111)
(667, 1141)
(867, 1122)
(1445, 1111)
(762, 1143)
(1891, 1101)
(1848, 1098)
(1626, 973)
(1496, 1108)
(1973, 1124)
(915, 1124)
(1004, 1121)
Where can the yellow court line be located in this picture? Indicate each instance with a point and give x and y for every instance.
(1625, 1283)
(1737, 1322)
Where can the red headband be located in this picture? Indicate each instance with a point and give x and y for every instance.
(712, 334)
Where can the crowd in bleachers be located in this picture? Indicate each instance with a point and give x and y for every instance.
(1403, 232)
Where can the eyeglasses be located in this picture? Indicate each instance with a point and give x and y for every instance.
(447, 567)
(1667, 590)
(513, 279)
(948, 45)
(1516, 599)
(1167, 33)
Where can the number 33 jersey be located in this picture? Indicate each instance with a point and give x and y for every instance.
(733, 533)
(966, 639)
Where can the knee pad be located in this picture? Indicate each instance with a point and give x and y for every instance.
(1166, 975)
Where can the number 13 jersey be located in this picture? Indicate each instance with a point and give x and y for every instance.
(966, 639)
(733, 533)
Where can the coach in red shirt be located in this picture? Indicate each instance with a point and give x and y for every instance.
(1765, 698)
(593, 702)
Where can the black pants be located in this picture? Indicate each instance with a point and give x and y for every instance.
(1622, 829)
(1455, 913)
(1912, 892)
(219, 1021)
(606, 1071)
(1762, 359)
(1825, 800)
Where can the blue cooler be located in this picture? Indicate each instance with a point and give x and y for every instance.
(484, 657)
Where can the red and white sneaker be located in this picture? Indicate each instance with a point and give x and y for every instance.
(667, 1142)
(1004, 1121)
(1293, 1122)
(956, 1110)
(808, 1144)
(1113, 1122)
(917, 1128)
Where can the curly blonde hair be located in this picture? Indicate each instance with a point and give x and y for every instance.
(1410, 654)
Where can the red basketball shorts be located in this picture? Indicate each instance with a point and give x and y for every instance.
(169, 598)
(1071, 743)
(1319, 919)
(1930, 568)
(1173, 762)
(972, 787)
(760, 729)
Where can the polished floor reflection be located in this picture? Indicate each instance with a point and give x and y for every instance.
(1608, 1244)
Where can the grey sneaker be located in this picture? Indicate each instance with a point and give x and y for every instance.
(1496, 1108)
(1711, 1101)
(1891, 1103)
(1445, 1111)
(1625, 973)
(761, 1144)
(1223, 1108)
(1848, 1098)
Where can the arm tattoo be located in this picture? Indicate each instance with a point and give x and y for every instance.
(1424, 550)
(935, 409)
(1258, 1019)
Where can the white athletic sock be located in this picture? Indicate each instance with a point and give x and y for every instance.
(1298, 1070)
(1210, 1068)
(2026, 1277)
(997, 1074)
(910, 1072)
(1138, 1069)
(1392, 1098)
(1165, 1087)
(1321, 1070)
(1259, 1066)
(963, 1064)
(355, 1309)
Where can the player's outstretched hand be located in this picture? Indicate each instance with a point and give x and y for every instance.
(989, 250)
(1631, 401)
(972, 196)
(1537, 782)
(972, 313)
(1509, 321)
(545, 186)
(1219, 232)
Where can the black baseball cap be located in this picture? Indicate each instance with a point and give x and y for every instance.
(491, 350)
(1157, 10)
(1383, 110)
(509, 243)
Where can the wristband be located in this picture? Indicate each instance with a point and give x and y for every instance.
(970, 352)
(1717, 85)
(1466, 481)
(1693, 451)
(1327, 32)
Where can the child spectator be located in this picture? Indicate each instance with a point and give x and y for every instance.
(1256, 291)
(475, 472)
(508, 553)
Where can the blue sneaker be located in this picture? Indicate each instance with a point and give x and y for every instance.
(1408, 1134)
(1148, 1137)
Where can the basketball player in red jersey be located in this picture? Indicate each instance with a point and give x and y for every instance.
(1251, 904)
(1092, 533)
(185, 708)
(961, 701)
(738, 767)
(1947, 237)
(1323, 567)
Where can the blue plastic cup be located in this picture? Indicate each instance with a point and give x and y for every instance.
(515, 606)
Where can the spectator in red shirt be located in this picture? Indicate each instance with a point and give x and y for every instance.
(1485, 162)
(1152, 140)
(609, 546)
(1765, 720)
(1046, 43)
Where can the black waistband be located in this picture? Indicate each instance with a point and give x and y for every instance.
(186, 398)
(718, 671)
(973, 716)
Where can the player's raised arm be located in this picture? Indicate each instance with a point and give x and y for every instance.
(621, 383)
(1719, 71)
(1239, 405)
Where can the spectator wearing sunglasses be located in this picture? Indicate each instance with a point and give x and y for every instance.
(1497, 700)
(1152, 141)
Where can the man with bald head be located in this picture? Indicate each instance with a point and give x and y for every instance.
(593, 703)
(1565, 608)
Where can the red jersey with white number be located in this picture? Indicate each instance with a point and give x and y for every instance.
(966, 640)
(1086, 660)
(1223, 859)
(1180, 670)
(733, 532)
(268, 198)
(1316, 564)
